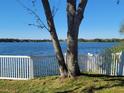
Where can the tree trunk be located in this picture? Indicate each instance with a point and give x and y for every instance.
(72, 40)
(72, 50)
(74, 18)
(72, 55)
(54, 37)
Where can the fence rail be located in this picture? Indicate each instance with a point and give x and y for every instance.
(28, 67)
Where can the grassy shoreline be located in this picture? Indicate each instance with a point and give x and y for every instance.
(53, 84)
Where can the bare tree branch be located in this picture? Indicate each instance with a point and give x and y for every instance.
(71, 11)
(81, 8)
(39, 26)
(38, 19)
(34, 5)
(118, 1)
(34, 2)
(54, 11)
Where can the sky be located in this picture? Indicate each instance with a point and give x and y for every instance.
(102, 19)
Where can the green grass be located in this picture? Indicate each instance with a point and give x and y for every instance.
(53, 84)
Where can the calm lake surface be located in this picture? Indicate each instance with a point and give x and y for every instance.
(46, 48)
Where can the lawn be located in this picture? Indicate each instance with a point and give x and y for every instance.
(53, 84)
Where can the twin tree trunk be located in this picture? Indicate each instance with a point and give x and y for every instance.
(74, 18)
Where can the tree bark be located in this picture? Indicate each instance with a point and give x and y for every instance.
(54, 37)
(74, 18)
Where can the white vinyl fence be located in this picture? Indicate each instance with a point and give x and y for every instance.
(45, 65)
(26, 67)
(103, 64)
(16, 67)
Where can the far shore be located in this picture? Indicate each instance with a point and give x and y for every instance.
(62, 40)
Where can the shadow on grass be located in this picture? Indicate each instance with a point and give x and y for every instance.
(111, 81)
(67, 91)
(98, 75)
(118, 79)
(92, 89)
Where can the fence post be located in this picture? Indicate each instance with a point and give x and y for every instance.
(31, 74)
(121, 65)
(65, 57)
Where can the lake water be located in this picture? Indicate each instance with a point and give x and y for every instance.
(46, 48)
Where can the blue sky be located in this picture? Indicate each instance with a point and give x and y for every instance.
(102, 19)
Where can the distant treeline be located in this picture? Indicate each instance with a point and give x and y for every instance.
(47, 40)
(101, 40)
(24, 40)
